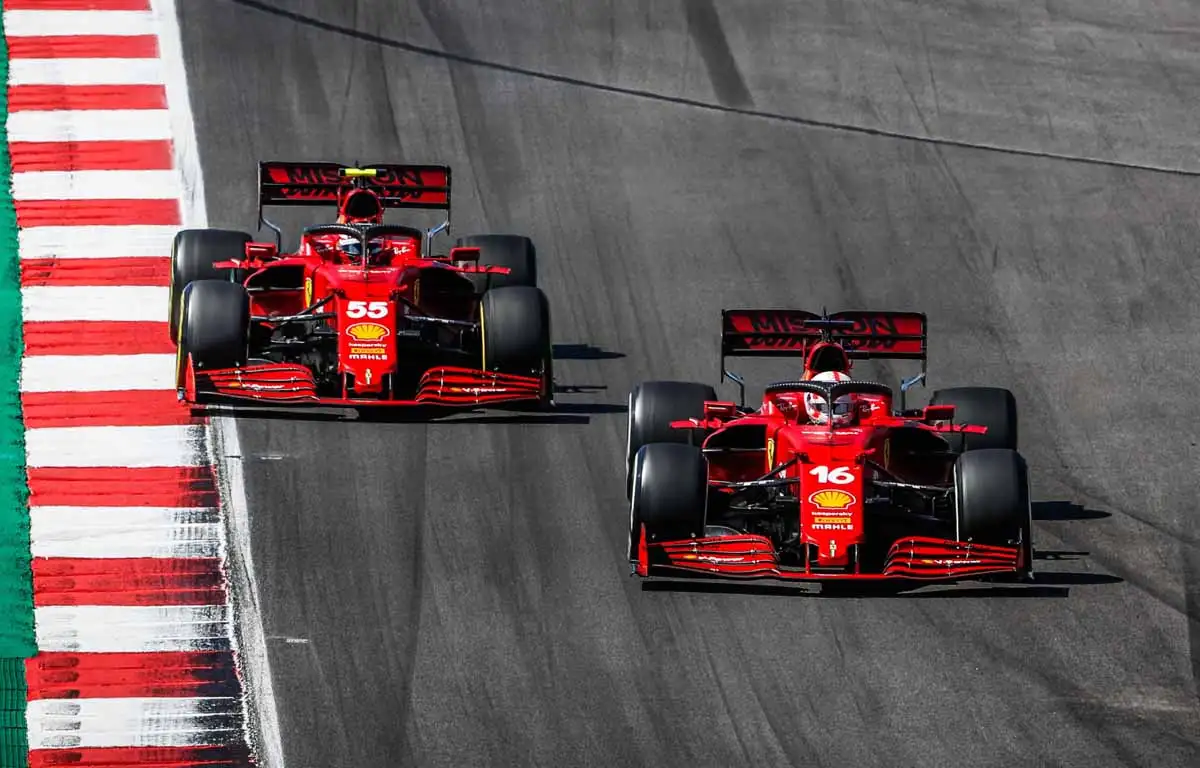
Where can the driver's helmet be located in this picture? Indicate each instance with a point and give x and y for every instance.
(352, 247)
(843, 408)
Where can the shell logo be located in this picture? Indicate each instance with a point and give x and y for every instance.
(367, 331)
(831, 499)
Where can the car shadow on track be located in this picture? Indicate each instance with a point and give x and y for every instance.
(1065, 510)
(1045, 584)
(560, 413)
(583, 352)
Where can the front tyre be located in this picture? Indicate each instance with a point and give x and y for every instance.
(514, 325)
(670, 494)
(992, 501)
(216, 324)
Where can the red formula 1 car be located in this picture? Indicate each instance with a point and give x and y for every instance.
(827, 480)
(363, 313)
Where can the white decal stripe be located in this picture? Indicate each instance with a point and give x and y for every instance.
(97, 373)
(89, 125)
(48, 304)
(134, 722)
(85, 72)
(169, 446)
(39, 23)
(165, 532)
(96, 242)
(132, 629)
(96, 185)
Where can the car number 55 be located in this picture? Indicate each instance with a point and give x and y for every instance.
(372, 309)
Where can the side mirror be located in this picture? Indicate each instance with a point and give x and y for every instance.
(261, 251)
(938, 413)
(464, 253)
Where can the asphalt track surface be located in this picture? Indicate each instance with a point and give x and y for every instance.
(462, 587)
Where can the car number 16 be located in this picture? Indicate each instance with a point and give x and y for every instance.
(835, 475)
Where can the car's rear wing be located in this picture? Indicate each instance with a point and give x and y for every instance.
(863, 334)
(286, 183)
(398, 186)
(792, 332)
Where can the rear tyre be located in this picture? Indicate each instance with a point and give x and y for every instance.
(515, 333)
(991, 500)
(670, 494)
(989, 407)
(513, 251)
(653, 405)
(193, 254)
(216, 324)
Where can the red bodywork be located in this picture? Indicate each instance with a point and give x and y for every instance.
(368, 305)
(832, 467)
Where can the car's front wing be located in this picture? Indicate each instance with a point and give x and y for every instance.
(749, 556)
(286, 384)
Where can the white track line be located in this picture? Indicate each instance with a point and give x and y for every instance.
(96, 185)
(133, 722)
(89, 125)
(254, 659)
(39, 23)
(85, 72)
(84, 532)
(132, 629)
(49, 304)
(183, 127)
(96, 242)
(255, 664)
(97, 373)
(169, 446)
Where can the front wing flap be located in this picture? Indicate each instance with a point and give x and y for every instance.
(752, 556)
(291, 384)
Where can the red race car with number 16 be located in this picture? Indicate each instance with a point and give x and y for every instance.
(828, 480)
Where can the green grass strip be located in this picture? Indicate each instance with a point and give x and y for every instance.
(17, 640)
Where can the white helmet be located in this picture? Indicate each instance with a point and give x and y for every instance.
(843, 407)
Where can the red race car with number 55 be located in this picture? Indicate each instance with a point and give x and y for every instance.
(363, 313)
(829, 479)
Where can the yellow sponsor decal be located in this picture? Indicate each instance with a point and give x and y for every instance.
(770, 453)
(307, 292)
(367, 352)
(832, 499)
(367, 331)
(824, 520)
(887, 454)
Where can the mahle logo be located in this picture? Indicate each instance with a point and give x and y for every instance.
(367, 332)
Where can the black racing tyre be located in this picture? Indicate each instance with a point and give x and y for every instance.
(991, 499)
(989, 407)
(653, 405)
(193, 254)
(216, 324)
(670, 494)
(515, 333)
(513, 251)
